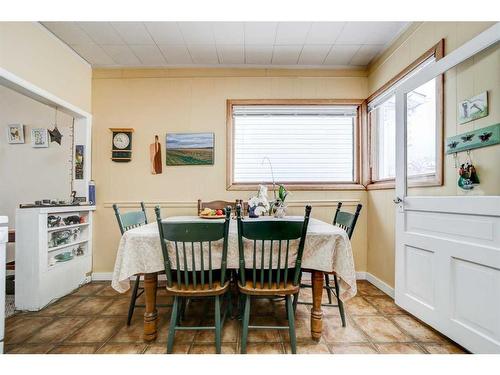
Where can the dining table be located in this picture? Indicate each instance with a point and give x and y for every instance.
(327, 249)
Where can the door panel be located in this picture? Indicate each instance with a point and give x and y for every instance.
(420, 275)
(447, 238)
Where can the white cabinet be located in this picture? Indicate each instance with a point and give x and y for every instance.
(3, 240)
(51, 259)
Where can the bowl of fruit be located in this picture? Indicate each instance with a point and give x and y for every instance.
(209, 213)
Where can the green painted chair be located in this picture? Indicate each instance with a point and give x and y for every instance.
(271, 244)
(346, 221)
(127, 221)
(191, 274)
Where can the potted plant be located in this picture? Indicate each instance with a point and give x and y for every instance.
(279, 206)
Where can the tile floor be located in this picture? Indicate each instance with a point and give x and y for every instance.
(93, 320)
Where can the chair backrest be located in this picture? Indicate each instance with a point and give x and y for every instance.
(132, 219)
(346, 220)
(192, 243)
(272, 235)
(215, 205)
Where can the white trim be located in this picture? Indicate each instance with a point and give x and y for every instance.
(108, 276)
(383, 286)
(375, 281)
(102, 276)
(24, 87)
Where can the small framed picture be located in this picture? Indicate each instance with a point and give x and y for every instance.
(15, 133)
(39, 138)
(473, 108)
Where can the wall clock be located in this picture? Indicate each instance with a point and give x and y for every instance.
(121, 144)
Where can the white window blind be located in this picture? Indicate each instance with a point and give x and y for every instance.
(305, 144)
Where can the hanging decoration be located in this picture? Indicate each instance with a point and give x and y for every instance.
(55, 134)
(467, 175)
(155, 156)
(483, 137)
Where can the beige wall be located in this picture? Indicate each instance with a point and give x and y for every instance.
(472, 77)
(32, 53)
(193, 101)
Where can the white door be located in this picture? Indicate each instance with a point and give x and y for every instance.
(447, 247)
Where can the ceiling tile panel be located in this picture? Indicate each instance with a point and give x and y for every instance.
(229, 33)
(68, 32)
(149, 55)
(121, 55)
(354, 33)
(165, 32)
(314, 54)
(258, 54)
(231, 53)
(384, 32)
(204, 54)
(365, 54)
(292, 33)
(197, 32)
(324, 32)
(133, 32)
(341, 55)
(101, 32)
(286, 55)
(94, 54)
(228, 43)
(176, 54)
(262, 33)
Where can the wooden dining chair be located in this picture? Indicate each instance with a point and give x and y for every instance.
(275, 266)
(127, 221)
(346, 221)
(215, 205)
(190, 270)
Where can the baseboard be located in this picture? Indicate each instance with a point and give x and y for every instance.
(108, 276)
(384, 287)
(102, 276)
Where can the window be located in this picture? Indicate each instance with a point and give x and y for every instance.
(424, 117)
(297, 144)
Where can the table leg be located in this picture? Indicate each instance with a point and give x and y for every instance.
(316, 312)
(151, 314)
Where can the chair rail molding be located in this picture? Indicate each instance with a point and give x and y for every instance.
(194, 204)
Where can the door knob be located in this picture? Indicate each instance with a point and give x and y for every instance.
(397, 200)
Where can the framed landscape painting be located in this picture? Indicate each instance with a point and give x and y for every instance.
(190, 148)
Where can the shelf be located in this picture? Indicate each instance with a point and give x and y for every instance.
(63, 227)
(50, 249)
(60, 264)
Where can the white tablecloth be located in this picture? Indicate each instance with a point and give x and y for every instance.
(327, 248)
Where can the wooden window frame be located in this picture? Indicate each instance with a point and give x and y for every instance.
(436, 179)
(355, 185)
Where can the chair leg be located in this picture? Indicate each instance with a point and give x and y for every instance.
(246, 321)
(341, 304)
(291, 324)
(133, 297)
(295, 301)
(173, 324)
(217, 325)
(328, 291)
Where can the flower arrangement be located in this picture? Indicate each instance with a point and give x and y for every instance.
(259, 205)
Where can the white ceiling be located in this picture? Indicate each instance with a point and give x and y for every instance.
(245, 44)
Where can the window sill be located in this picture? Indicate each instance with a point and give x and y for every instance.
(423, 181)
(380, 185)
(298, 187)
